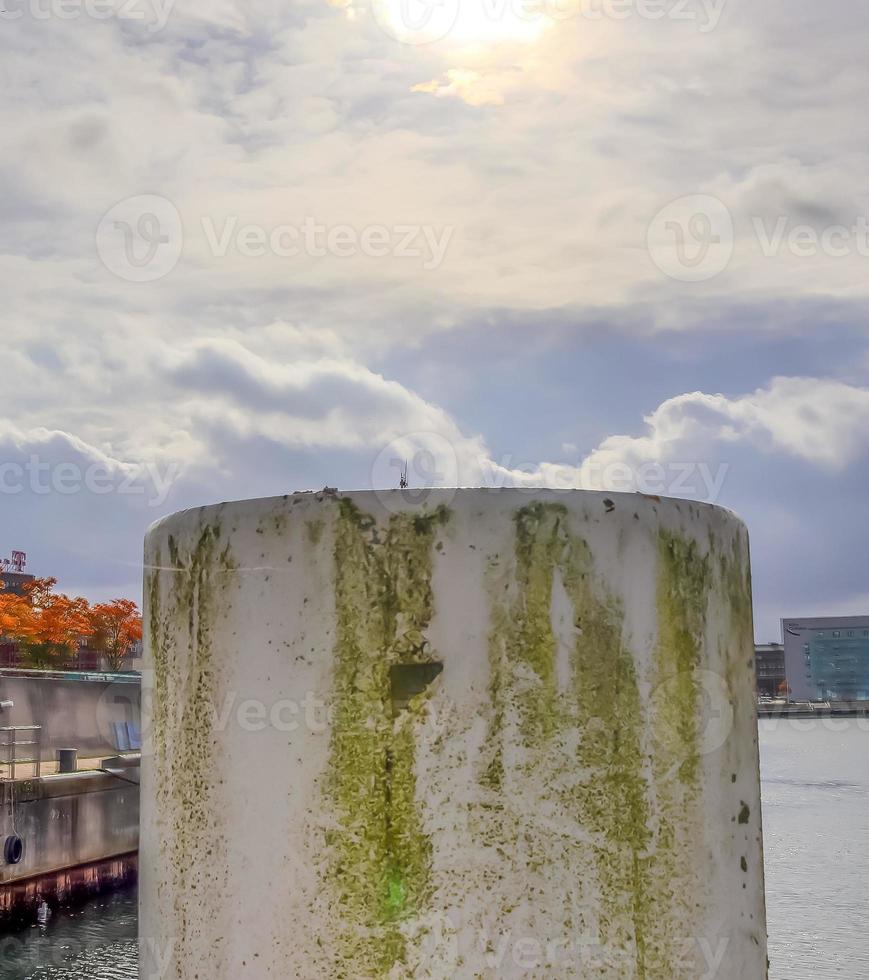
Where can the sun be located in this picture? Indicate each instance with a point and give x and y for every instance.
(462, 22)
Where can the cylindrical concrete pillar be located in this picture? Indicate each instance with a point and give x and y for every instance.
(468, 733)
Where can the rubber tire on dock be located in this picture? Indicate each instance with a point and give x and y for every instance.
(13, 850)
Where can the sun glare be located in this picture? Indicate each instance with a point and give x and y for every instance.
(462, 21)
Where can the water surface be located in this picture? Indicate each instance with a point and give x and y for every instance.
(815, 780)
(96, 942)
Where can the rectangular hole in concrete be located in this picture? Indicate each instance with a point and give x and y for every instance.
(408, 680)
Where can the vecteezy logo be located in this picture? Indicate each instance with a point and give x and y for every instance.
(416, 21)
(691, 239)
(435, 945)
(713, 711)
(140, 238)
(422, 463)
(123, 716)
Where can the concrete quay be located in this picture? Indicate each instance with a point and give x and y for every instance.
(64, 838)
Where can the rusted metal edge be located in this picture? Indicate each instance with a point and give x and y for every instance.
(63, 888)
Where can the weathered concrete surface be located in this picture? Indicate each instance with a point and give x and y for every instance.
(75, 712)
(80, 832)
(575, 794)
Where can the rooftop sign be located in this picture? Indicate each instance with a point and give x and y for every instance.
(14, 564)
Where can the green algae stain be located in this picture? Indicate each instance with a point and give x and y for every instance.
(602, 701)
(522, 641)
(159, 646)
(638, 766)
(381, 856)
(181, 621)
(493, 775)
(539, 548)
(736, 580)
(684, 583)
(314, 529)
(613, 802)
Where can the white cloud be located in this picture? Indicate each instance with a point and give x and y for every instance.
(325, 402)
(271, 112)
(548, 159)
(822, 421)
(692, 441)
(243, 424)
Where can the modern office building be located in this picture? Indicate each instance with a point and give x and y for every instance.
(827, 659)
(769, 664)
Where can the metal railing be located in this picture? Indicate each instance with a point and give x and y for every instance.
(14, 737)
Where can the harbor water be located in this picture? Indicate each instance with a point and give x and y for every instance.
(815, 782)
(96, 942)
(815, 778)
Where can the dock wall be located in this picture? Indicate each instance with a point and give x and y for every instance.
(76, 711)
(80, 834)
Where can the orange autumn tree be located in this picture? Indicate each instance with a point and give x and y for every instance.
(50, 628)
(116, 627)
(14, 613)
(47, 626)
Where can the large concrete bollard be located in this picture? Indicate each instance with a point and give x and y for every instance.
(466, 734)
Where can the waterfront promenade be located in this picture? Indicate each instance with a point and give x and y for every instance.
(813, 709)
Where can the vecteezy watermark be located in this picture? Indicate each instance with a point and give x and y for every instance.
(23, 956)
(693, 239)
(438, 945)
(156, 957)
(807, 241)
(416, 21)
(427, 21)
(428, 465)
(694, 479)
(141, 238)
(824, 722)
(310, 712)
(43, 477)
(317, 240)
(702, 957)
(418, 464)
(152, 15)
(713, 721)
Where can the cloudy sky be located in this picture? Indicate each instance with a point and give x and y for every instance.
(252, 247)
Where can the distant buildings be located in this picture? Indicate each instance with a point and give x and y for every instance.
(821, 659)
(827, 659)
(13, 578)
(14, 582)
(84, 658)
(769, 662)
